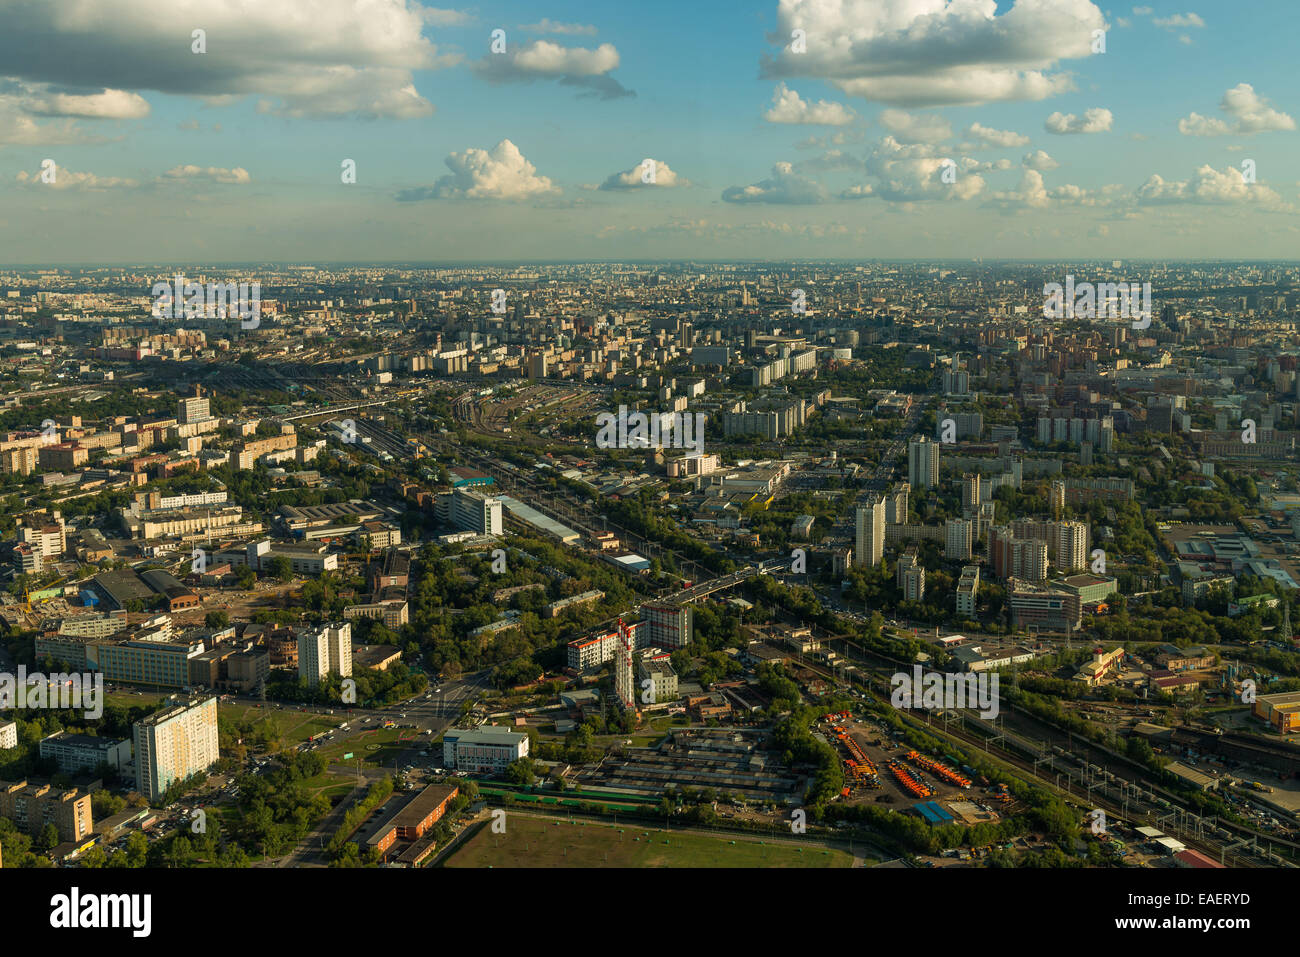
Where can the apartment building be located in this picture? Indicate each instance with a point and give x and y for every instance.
(968, 590)
(78, 753)
(325, 650)
(174, 744)
(666, 625)
(922, 463)
(32, 806)
(870, 539)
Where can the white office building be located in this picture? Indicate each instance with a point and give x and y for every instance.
(486, 750)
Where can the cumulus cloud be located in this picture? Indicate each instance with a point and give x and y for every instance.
(1208, 187)
(330, 57)
(971, 165)
(502, 173)
(1248, 113)
(935, 52)
(915, 128)
(917, 172)
(635, 178)
(784, 187)
(1096, 120)
(544, 60)
(65, 178)
(1039, 160)
(789, 107)
(215, 174)
(1002, 139)
(106, 105)
(39, 113)
(1033, 193)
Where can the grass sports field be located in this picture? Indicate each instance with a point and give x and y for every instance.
(535, 842)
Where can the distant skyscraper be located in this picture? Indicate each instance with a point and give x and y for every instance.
(871, 535)
(923, 463)
(970, 490)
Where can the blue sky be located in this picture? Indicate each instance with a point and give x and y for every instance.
(925, 129)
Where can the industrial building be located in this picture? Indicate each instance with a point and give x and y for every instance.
(1282, 710)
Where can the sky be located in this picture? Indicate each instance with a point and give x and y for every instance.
(774, 129)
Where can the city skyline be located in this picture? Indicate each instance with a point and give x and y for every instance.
(760, 152)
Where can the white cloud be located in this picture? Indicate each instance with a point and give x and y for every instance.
(216, 174)
(1209, 187)
(784, 187)
(1248, 113)
(543, 56)
(917, 172)
(789, 107)
(107, 105)
(65, 178)
(915, 128)
(1039, 160)
(634, 178)
(503, 173)
(544, 60)
(329, 57)
(935, 52)
(1096, 120)
(1002, 139)
(1033, 193)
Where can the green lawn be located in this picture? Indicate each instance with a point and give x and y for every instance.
(378, 747)
(291, 725)
(533, 842)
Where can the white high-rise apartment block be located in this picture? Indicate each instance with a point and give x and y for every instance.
(174, 744)
(968, 590)
(1070, 549)
(870, 535)
(327, 650)
(914, 583)
(923, 462)
(958, 534)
